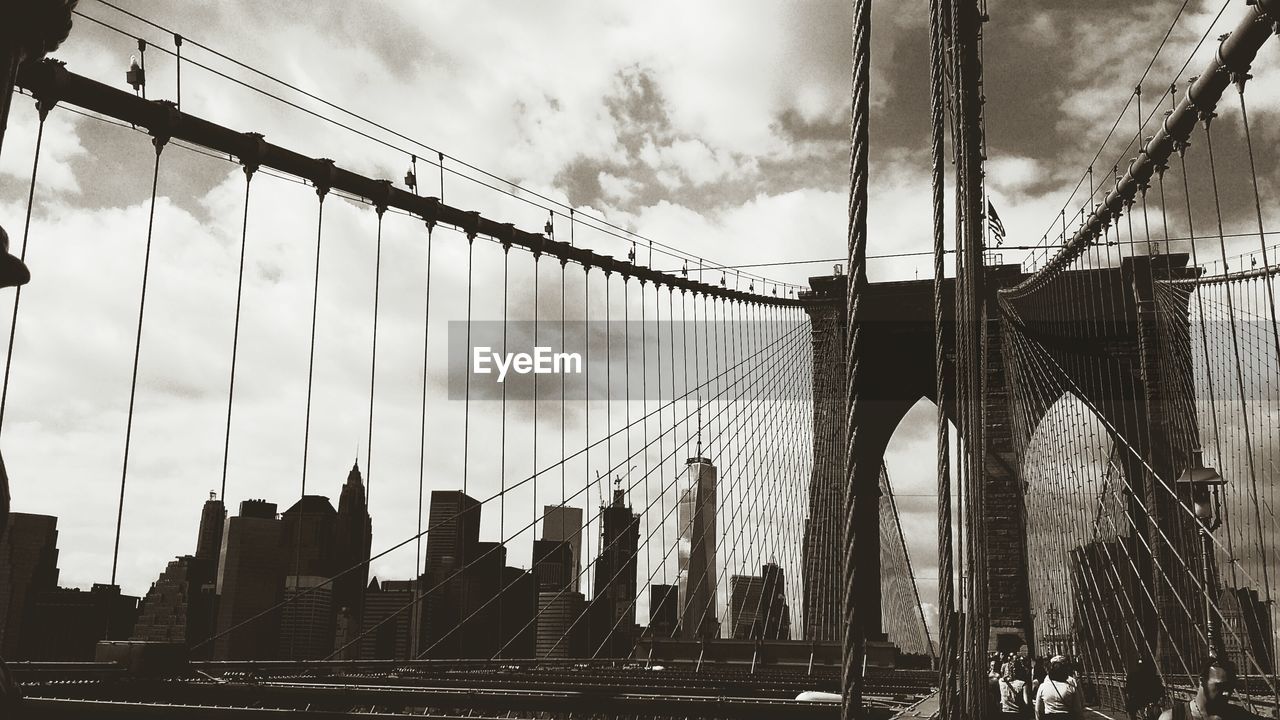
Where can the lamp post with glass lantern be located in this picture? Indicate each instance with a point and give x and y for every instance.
(1203, 483)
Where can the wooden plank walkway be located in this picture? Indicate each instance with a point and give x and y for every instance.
(926, 708)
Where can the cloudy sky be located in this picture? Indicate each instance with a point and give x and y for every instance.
(718, 128)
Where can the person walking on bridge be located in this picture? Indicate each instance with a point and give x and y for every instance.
(1213, 697)
(1015, 692)
(1059, 697)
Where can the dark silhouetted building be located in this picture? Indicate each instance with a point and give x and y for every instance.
(309, 533)
(454, 531)
(758, 606)
(563, 522)
(1247, 630)
(479, 602)
(306, 618)
(664, 610)
(613, 608)
(251, 574)
(552, 565)
(388, 610)
(181, 605)
(28, 566)
(561, 632)
(518, 604)
(66, 623)
(354, 534)
(213, 519)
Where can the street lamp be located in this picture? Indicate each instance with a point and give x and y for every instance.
(1202, 484)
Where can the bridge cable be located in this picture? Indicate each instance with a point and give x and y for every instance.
(321, 191)
(1235, 346)
(308, 591)
(373, 355)
(469, 564)
(42, 110)
(249, 169)
(778, 372)
(584, 491)
(938, 11)
(419, 559)
(1240, 80)
(1075, 390)
(610, 229)
(159, 141)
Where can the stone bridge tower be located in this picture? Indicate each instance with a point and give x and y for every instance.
(899, 333)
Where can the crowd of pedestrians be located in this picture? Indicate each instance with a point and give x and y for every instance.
(1025, 687)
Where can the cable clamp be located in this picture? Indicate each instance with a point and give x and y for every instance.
(169, 120)
(383, 199)
(255, 151)
(471, 226)
(50, 92)
(324, 176)
(432, 213)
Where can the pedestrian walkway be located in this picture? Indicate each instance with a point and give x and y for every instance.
(926, 708)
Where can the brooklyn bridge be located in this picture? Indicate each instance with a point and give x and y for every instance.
(620, 472)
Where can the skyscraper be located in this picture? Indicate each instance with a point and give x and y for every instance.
(613, 609)
(559, 629)
(308, 531)
(454, 531)
(481, 584)
(386, 619)
(28, 565)
(213, 518)
(454, 528)
(181, 604)
(563, 522)
(354, 536)
(519, 603)
(552, 564)
(698, 570)
(251, 574)
(67, 623)
(758, 607)
(306, 618)
(664, 610)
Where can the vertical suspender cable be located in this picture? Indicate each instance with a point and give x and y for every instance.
(466, 409)
(249, 169)
(1275, 338)
(534, 456)
(1239, 371)
(563, 463)
(422, 444)
(502, 452)
(159, 143)
(22, 255)
(373, 358)
(321, 192)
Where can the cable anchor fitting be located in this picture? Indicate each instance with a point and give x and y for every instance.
(255, 151)
(383, 199)
(325, 174)
(169, 119)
